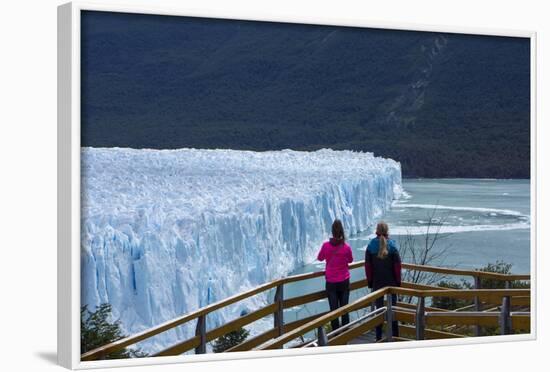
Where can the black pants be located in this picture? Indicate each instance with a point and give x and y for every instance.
(395, 327)
(338, 295)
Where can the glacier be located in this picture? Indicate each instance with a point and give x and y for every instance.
(165, 232)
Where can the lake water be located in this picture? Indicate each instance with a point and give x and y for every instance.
(481, 222)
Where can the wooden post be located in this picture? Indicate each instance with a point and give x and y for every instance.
(373, 303)
(389, 318)
(505, 321)
(477, 303)
(201, 331)
(278, 320)
(420, 319)
(322, 339)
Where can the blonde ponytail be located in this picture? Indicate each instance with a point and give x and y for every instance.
(382, 233)
(383, 250)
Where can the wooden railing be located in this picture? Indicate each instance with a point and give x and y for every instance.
(505, 319)
(281, 331)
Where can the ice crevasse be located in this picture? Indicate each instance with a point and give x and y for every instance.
(165, 232)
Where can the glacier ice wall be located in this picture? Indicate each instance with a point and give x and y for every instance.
(165, 232)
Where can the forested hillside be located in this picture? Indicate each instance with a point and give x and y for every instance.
(444, 105)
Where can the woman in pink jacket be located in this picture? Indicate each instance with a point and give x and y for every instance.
(337, 253)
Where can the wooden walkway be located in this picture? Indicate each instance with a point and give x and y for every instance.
(365, 338)
(504, 309)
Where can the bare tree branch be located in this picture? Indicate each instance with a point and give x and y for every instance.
(426, 251)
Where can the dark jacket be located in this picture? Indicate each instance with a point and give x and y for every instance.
(382, 272)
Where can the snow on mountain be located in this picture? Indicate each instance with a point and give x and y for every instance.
(165, 232)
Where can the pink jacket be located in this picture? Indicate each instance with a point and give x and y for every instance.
(338, 255)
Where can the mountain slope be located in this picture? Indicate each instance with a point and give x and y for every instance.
(445, 105)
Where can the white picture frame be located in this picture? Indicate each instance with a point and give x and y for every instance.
(69, 182)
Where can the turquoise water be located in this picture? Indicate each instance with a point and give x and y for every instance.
(485, 220)
(480, 222)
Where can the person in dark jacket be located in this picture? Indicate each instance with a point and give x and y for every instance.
(383, 268)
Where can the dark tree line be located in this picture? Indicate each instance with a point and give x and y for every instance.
(444, 105)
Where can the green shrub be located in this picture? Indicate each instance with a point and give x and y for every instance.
(230, 339)
(96, 330)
